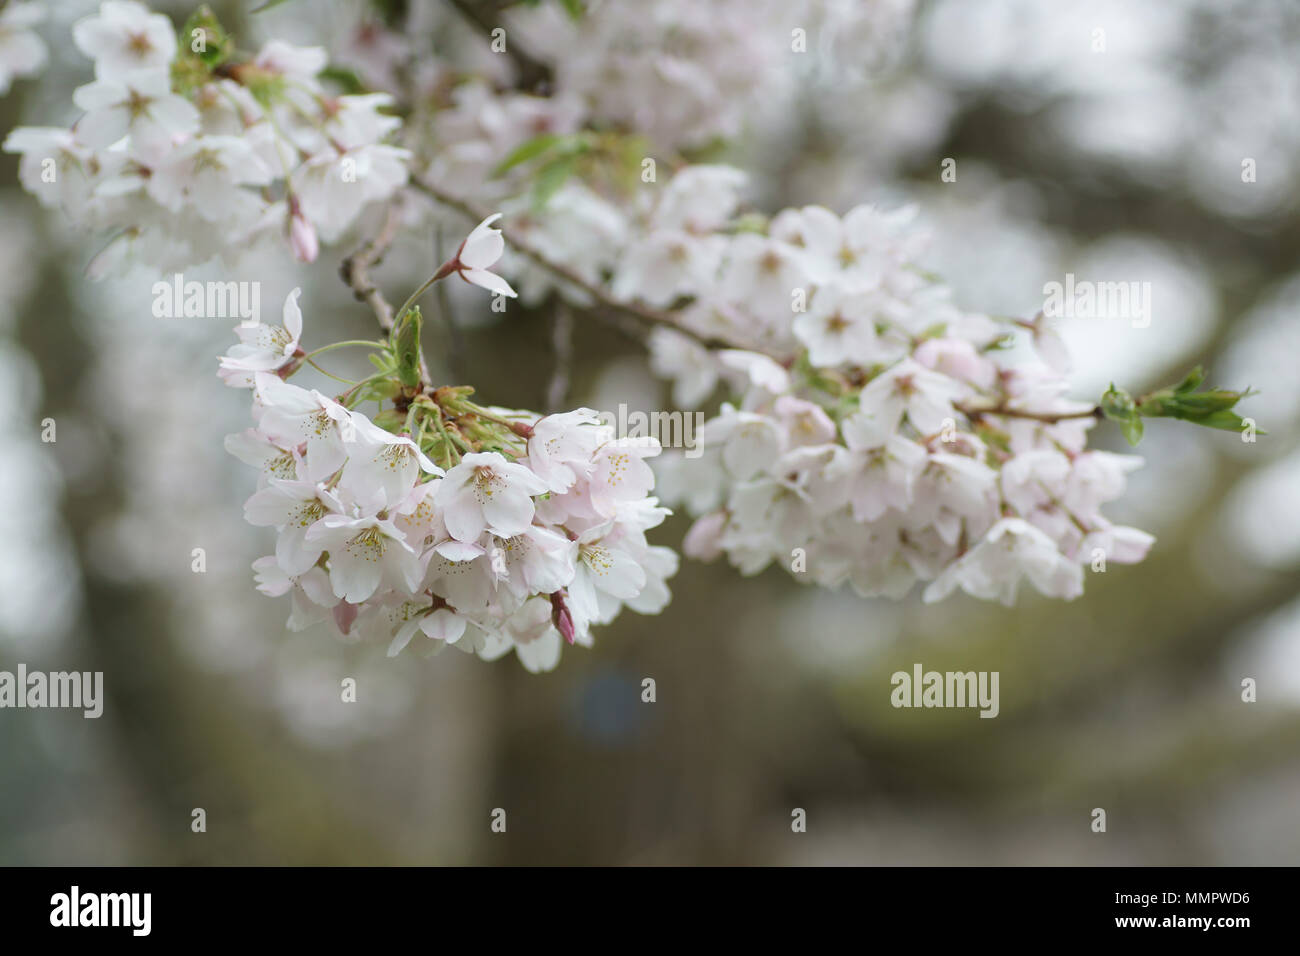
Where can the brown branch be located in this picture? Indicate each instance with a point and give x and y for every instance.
(621, 310)
(355, 269)
(1049, 418)
(651, 316)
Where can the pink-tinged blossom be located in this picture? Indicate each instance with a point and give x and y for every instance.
(124, 37)
(380, 465)
(486, 492)
(560, 447)
(295, 417)
(910, 389)
(263, 348)
(363, 554)
(1012, 550)
(478, 253)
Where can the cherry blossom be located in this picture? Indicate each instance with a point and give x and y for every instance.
(124, 37)
(486, 492)
(263, 348)
(862, 428)
(22, 52)
(480, 250)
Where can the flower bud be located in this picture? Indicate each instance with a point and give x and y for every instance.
(302, 235)
(561, 617)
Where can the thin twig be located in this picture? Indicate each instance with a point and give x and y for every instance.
(562, 342)
(618, 307)
(455, 340)
(1049, 418)
(355, 269)
(655, 317)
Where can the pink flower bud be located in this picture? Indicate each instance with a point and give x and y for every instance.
(302, 235)
(704, 541)
(561, 617)
(345, 615)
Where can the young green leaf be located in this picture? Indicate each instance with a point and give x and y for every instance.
(551, 177)
(406, 347)
(528, 150)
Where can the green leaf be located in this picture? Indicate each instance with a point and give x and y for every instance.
(1117, 404)
(1211, 408)
(1201, 404)
(551, 177)
(217, 44)
(1132, 429)
(344, 78)
(527, 150)
(1224, 420)
(389, 420)
(1193, 380)
(574, 8)
(406, 347)
(268, 5)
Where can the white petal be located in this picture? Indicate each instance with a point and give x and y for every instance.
(490, 281)
(292, 315)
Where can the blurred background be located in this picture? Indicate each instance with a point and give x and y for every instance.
(1116, 155)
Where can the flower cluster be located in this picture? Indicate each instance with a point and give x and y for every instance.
(185, 152)
(687, 74)
(22, 52)
(482, 528)
(477, 127)
(880, 435)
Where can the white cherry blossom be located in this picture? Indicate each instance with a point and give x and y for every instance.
(263, 348)
(125, 36)
(486, 492)
(22, 52)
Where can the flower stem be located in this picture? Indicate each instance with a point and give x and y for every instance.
(445, 270)
(338, 345)
(337, 378)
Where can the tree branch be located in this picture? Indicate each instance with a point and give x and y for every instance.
(651, 316)
(621, 310)
(1049, 418)
(355, 269)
